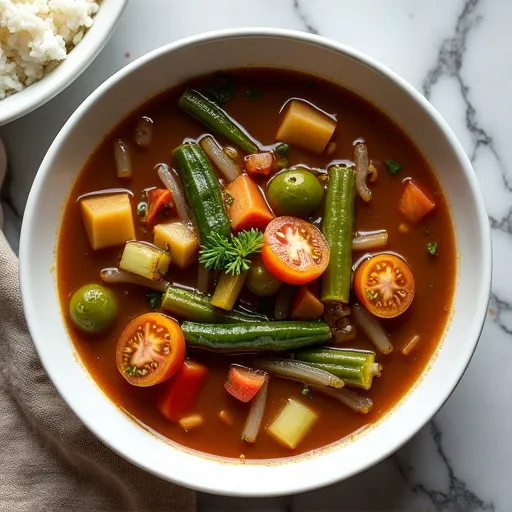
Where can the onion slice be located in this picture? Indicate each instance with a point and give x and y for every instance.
(302, 372)
(356, 402)
(172, 183)
(255, 416)
(229, 170)
(362, 169)
(123, 159)
(372, 328)
(369, 241)
(115, 276)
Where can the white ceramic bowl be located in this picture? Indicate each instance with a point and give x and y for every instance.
(77, 61)
(171, 65)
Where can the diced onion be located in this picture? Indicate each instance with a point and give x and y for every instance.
(362, 168)
(172, 183)
(144, 132)
(302, 372)
(255, 416)
(369, 241)
(115, 276)
(230, 171)
(123, 159)
(356, 402)
(372, 328)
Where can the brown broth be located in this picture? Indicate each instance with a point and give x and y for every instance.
(78, 264)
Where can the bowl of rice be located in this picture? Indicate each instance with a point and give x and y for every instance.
(45, 45)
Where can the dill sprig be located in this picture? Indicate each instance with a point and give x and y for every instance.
(230, 254)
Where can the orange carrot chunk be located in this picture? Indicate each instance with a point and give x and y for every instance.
(259, 163)
(248, 209)
(414, 203)
(306, 306)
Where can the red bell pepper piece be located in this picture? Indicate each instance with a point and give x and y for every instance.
(182, 391)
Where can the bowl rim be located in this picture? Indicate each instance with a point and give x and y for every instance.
(79, 58)
(482, 300)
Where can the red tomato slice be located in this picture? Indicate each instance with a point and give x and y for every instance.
(159, 200)
(243, 383)
(150, 350)
(384, 285)
(294, 250)
(182, 391)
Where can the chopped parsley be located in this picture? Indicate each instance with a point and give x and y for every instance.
(305, 390)
(154, 299)
(142, 209)
(221, 88)
(393, 167)
(253, 94)
(432, 248)
(228, 199)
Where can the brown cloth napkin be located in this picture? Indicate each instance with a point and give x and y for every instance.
(48, 459)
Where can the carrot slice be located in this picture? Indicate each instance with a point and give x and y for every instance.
(248, 209)
(259, 163)
(306, 305)
(182, 391)
(414, 203)
(158, 200)
(243, 383)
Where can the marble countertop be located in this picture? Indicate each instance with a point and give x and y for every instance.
(458, 54)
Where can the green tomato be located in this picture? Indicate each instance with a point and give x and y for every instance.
(260, 281)
(93, 308)
(297, 193)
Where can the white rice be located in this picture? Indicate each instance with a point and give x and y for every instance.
(35, 35)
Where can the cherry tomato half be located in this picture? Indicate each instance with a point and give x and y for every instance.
(150, 350)
(384, 285)
(294, 250)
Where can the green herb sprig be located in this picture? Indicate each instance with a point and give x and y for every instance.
(230, 254)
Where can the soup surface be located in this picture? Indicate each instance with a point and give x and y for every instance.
(406, 201)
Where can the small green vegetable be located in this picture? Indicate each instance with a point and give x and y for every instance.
(154, 299)
(230, 254)
(282, 149)
(305, 390)
(432, 248)
(393, 167)
(253, 94)
(93, 308)
(295, 192)
(142, 209)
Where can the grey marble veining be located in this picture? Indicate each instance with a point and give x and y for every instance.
(458, 54)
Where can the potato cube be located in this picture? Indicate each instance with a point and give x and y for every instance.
(306, 126)
(292, 423)
(108, 219)
(181, 240)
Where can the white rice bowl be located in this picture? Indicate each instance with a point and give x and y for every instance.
(35, 35)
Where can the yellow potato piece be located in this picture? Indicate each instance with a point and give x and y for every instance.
(306, 126)
(108, 219)
(181, 240)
